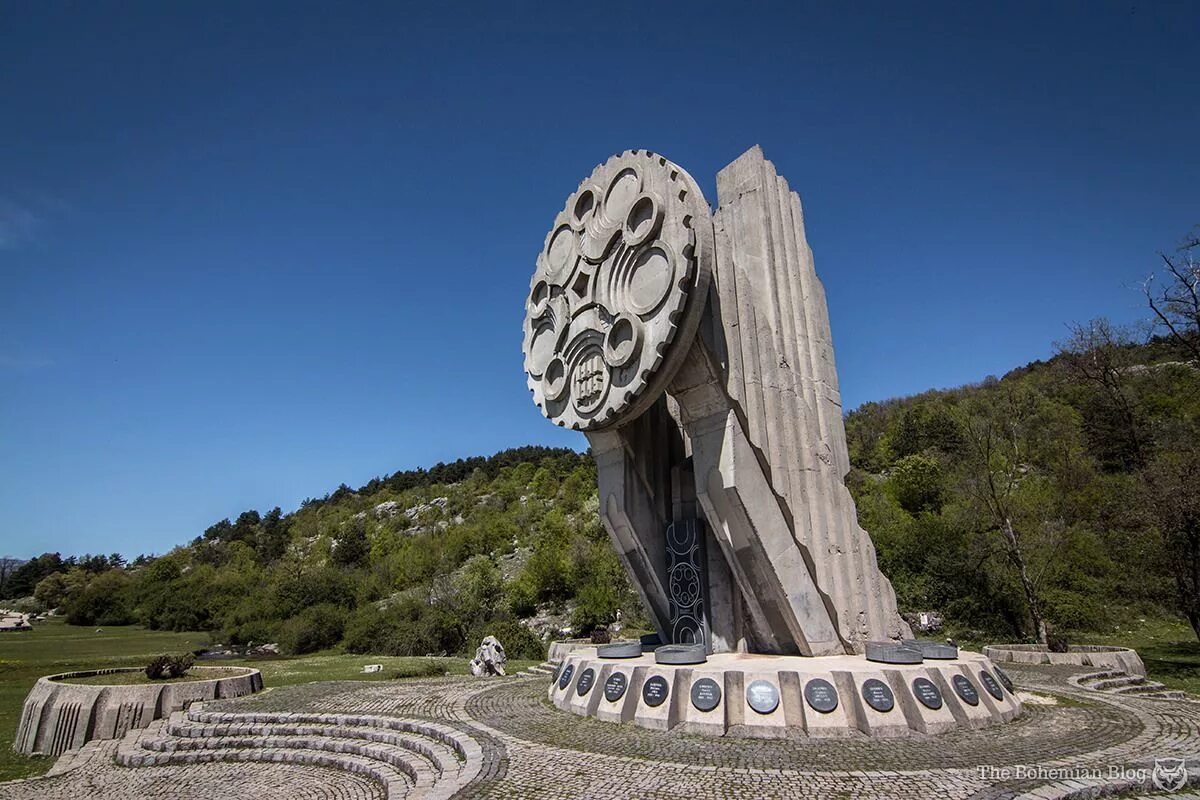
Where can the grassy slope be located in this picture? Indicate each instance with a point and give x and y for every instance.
(57, 647)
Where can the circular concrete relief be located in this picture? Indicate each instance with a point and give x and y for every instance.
(617, 292)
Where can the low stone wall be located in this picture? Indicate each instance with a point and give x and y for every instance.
(564, 647)
(60, 716)
(1082, 655)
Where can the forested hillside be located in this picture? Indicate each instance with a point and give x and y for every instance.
(414, 563)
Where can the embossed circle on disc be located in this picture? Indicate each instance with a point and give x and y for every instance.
(762, 696)
(617, 292)
(878, 695)
(965, 689)
(821, 695)
(564, 679)
(586, 679)
(706, 694)
(928, 693)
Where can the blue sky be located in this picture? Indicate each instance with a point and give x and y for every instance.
(251, 251)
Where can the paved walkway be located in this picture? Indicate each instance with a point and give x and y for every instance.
(525, 748)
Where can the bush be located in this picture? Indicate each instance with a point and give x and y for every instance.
(519, 641)
(166, 667)
(314, 628)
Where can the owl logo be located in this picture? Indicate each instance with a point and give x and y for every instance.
(1170, 774)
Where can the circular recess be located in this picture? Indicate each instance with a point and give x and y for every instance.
(762, 696)
(554, 379)
(655, 691)
(965, 689)
(623, 340)
(559, 251)
(541, 351)
(820, 695)
(649, 279)
(927, 693)
(706, 694)
(585, 204)
(878, 695)
(643, 220)
(586, 679)
(621, 193)
(614, 687)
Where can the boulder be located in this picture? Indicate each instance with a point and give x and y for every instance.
(489, 658)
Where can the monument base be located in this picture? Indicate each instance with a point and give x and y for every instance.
(747, 695)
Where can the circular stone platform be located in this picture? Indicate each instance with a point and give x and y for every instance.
(60, 716)
(740, 694)
(1080, 655)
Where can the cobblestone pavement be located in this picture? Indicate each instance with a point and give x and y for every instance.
(532, 750)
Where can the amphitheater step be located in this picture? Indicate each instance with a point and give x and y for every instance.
(405, 756)
(1117, 683)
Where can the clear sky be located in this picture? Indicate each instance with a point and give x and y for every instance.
(249, 251)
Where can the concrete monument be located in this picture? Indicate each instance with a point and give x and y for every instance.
(693, 349)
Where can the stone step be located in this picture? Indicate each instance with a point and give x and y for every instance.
(1113, 684)
(428, 759)
(420, 772)
(1143, 688)
(1093, 677)
(443, 759)
(467, 749)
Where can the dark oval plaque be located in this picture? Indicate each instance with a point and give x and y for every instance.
(878, 695)
(564, 679)
(706, 694)
(821, 695)
(614, 687)
(654, 691)
(929, 694)
(965, 689)
(762, 696)
(586, 679)
(557, 672)
(1004, 679)
(990, 684)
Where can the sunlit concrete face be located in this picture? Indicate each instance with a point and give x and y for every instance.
(694, 350)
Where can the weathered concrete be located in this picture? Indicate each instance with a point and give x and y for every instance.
(1085, 655)
(59, 716)
(789, 675)
(711, 404)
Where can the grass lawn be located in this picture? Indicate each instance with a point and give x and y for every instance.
(54, 646)
(1168, 648)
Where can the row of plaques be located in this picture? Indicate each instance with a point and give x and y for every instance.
(763, 696)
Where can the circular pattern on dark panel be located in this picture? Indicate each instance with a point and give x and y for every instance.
(706, 694)
(990, 684)
(586, 679)
(655, 691)
(614, 687)
(564, 679)
(965, 689)
(878, 695)
(762, 696)
(927, 693)
(821, 695)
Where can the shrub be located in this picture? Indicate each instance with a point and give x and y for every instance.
(314, 628)
(165, 667)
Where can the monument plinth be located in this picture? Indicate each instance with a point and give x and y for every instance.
(694, 351)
